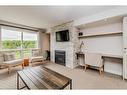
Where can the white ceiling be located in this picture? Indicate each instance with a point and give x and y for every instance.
(47, 16)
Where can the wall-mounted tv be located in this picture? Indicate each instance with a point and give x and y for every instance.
(62, 36)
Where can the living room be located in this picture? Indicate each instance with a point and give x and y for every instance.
(70, 50)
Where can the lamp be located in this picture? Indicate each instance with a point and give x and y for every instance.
(82, 43)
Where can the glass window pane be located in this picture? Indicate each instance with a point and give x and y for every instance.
(26, 53)
(11, 39)
(18, 54)
(18, 39)
(29, 41)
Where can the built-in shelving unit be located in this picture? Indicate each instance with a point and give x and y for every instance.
(101, 34)
(105, 37)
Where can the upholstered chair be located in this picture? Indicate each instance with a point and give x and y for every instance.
(95, 60)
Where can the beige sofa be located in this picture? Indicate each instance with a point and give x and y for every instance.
(8, 60)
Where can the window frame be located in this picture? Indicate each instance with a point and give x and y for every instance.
(21, 49)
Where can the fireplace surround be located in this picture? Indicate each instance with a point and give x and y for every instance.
(60, 57)
(69, 47)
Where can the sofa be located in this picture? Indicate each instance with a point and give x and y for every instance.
(8, 60)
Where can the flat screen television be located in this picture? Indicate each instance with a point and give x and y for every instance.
(62, 36)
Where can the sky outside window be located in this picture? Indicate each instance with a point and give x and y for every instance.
(10, 35)
(16, 35)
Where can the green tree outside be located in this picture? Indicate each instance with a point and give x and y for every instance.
(16, 44)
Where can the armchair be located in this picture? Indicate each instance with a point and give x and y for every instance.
(94, 59)
(8, 60)
(36, 56)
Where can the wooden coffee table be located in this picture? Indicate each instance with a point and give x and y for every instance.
(42, 78)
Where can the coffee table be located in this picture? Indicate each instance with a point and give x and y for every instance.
(42, 78)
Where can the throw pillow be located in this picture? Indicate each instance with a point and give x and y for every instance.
(9, 56)
(35, 53)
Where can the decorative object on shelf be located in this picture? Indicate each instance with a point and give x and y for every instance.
(82, 43)
(80, 34)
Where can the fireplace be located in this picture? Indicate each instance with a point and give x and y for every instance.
(60, 57)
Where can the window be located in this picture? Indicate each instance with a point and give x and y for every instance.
(29, 41)
(19, 40)
(11, 39)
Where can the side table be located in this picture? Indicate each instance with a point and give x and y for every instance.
(26, 62)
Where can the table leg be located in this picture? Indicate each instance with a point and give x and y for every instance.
(17, 81)
(9, 68)
(22, 65)
(70, 84)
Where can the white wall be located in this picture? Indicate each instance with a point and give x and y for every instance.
(0, 39)
(105, 44)
(119, 11)
(46, 42)
(110, 44)
(103, 27)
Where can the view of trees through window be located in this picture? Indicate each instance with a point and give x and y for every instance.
(19, 40)
(29, 41)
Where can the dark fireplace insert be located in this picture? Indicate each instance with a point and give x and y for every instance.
(60, 57)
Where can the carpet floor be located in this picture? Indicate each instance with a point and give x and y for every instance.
(81, 79)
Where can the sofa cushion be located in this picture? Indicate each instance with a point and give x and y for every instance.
(36, 53)
(13, 62)
(9, 56)
(38, 58)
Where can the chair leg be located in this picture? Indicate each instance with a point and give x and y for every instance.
(22, 65)
(32, 63)
(85, 67)
(101, 70)
(9, 68)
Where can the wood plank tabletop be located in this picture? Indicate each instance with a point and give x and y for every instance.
(42, 78)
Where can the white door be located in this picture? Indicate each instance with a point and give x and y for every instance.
(125, 48)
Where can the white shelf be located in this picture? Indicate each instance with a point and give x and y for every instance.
(104, 55)
(112, 56)
(102, 34)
